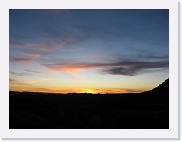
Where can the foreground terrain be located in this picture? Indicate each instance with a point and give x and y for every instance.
(147, 110)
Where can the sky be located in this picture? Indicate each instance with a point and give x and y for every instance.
(88, 50)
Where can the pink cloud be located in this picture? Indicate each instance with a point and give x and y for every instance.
(37, 55)
(21, 59)
(50, 46)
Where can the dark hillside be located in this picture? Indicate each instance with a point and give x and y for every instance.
(162, 89)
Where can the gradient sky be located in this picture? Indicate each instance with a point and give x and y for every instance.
(93, 51)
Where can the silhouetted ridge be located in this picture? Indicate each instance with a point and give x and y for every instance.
(162, 89)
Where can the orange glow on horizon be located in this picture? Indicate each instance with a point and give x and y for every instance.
(67, 90)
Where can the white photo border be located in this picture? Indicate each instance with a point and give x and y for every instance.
(171, 133)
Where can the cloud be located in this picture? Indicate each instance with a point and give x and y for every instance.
(16, 82)
(128, 68)
(68, 36)
(41, 72)
(37, 46)
(20, 73)
(59, 38)
(68, 68)
(64, 38)
(128, 71)
(118, 90)
(31, 82)
(11, 80)
(14, 59)
(36, 55)
(16, 38)
(72, 72)
(135, 68)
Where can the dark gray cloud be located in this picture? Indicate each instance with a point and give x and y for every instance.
(135, 68)
(129, 71)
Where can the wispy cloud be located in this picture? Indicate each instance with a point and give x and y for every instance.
(41, 72)
(37, 46)
(31, 82)
(128, 68)
(20, 73)
(79, 33)
(14, 59)
(118, 90)
(36, 55)
(61, 39)
(16, 82)
(17, 39)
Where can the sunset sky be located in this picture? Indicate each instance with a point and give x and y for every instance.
(93, 51)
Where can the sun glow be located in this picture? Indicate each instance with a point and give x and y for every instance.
(88, 91)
